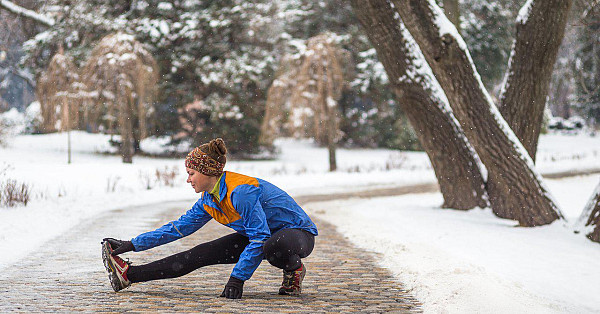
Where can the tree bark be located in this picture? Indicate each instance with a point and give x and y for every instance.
(523, 97)
(590, 217)
(126, 117)
(519, 191)
(332, 159)
(454, 161)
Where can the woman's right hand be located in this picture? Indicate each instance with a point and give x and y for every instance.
(119, 246)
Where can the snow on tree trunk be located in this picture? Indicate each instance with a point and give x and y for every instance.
(452, 10)
(519, 191)
(590, 217)
(317, 91)
(540, 30)
(123, 75)
(455, 163)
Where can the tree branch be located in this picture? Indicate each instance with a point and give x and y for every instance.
(534, 51)
(26, 13)
(23, 75)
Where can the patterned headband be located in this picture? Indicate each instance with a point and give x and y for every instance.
(203, 163)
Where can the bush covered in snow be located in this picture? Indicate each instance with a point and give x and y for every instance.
(13, 122)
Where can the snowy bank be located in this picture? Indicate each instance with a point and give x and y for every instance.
(474, 262)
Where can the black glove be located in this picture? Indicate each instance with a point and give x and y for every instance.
(233, 289)
(119, 246)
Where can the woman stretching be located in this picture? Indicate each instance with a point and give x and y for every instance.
(269, 225)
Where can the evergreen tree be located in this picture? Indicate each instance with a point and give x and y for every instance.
(488, 29)
(367, 104)
(220, 51)
(587, 64)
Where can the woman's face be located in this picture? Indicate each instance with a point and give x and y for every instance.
(199, 181)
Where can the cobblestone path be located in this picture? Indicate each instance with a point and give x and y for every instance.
(67, 275)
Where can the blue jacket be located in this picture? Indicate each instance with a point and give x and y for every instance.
(253, 207)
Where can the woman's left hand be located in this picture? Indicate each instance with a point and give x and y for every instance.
(233, 288)
(119, 246)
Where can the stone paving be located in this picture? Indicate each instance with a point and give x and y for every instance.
(67, 275)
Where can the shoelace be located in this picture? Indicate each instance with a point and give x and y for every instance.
(288, 279)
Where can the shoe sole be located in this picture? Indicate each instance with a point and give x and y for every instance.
(110, 268)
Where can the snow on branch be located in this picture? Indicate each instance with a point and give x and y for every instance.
(20, 11)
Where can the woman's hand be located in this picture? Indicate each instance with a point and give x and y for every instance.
(119, 246)
(233, 288)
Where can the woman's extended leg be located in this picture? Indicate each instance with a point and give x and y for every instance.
(225, 250)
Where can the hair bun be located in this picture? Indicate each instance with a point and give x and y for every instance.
(215, 149)
(218, 146)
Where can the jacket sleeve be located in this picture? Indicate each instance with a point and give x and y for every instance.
(245, 200)
(187, 224)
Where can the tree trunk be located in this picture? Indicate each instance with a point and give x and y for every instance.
(454, 161)
(126, 117)
(520, 193)
(332, 160)
(523, 96)
(452, 10)
(590, 217)
(127, 142)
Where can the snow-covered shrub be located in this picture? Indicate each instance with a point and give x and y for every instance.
(378, 128)
(13, 122)
(33, 121)
(220, 116)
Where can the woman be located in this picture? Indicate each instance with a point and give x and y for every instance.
(269, 224)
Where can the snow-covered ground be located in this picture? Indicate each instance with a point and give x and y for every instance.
(466, 262)
(451, 260)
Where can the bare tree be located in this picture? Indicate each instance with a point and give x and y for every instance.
(540, 30)
(518, 189)
(422, 99)
(123, 75)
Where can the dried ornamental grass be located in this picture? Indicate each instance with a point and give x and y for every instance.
(123, 75)
(302, 101)
(54, 87)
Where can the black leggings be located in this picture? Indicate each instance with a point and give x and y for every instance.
(283, 250)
